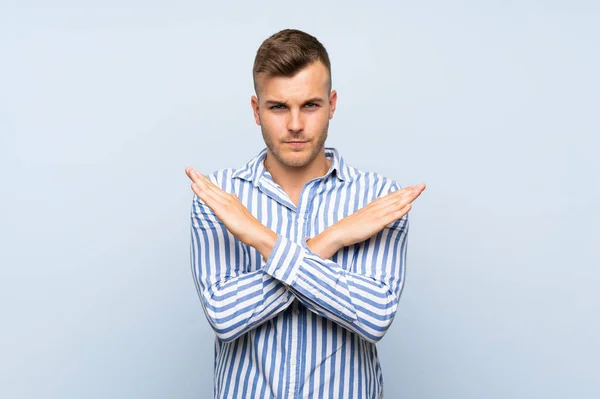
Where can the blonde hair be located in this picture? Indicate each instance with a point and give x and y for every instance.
(286, 52)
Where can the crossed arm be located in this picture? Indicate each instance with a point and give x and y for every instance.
(362, 296)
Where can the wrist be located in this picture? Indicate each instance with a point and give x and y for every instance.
(334, 237)
(325, 244)
(263, 240)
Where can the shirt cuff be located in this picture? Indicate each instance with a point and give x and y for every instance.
(285, 260)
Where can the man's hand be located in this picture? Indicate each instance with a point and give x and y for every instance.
(366, 222)
(233, 214)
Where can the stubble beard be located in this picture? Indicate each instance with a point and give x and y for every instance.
(296, 163)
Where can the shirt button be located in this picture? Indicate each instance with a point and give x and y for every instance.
(296, 312)
(278, 273)
(293, 362)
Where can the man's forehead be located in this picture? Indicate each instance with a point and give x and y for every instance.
(311, 81)
(298, 92)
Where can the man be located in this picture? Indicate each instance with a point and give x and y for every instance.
(298, 258)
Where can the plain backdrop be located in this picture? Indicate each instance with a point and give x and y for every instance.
(493, 104)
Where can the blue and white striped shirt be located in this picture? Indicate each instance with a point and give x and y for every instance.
(297, 325)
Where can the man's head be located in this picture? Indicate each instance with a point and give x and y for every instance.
(294, 100)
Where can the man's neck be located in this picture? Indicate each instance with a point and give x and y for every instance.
(293, 179)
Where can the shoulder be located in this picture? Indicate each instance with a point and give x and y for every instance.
(377, 185)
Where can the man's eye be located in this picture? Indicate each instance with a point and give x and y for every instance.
(277, 106)
(313, 105)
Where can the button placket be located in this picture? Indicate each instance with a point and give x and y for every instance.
(294, 350)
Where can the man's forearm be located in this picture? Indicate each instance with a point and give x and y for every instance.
(326, 244)
(352, 295)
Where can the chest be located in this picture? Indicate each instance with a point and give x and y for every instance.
(310, 211)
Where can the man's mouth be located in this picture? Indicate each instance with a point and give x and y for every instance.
(296, 143)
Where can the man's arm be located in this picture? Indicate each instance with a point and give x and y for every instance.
(362, 296)
(233, 300)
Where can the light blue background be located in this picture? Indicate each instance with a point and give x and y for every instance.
(494, 104)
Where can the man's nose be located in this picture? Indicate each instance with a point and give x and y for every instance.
(295, 122)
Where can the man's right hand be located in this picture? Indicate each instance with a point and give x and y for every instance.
(366, 222)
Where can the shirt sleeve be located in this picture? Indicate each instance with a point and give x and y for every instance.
(234, 300)
(362, 296)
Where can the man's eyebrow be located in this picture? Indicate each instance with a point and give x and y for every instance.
(276, 102)
(315, 100)
(312, 100)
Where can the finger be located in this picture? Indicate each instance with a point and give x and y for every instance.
(218, 191)
(193, 175)
(402, 192)
(393, 216)
(393, 197)
(196, 176)
(211, 186)
(200, 188)
(188, 172)
(199, 191)
(400, 201)
(203, 183)
(419, 188)
(407, 199)
(415, 193)
(384, 201)
(207, 195)
(401, 212)
(411, 192)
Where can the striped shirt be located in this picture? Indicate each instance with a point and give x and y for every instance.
(297, 325)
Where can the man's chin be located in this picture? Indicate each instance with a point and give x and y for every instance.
(296, 163)
(295, 159)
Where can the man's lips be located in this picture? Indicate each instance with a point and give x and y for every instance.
(296, 143)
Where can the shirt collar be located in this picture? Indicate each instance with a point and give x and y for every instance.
(254, 169)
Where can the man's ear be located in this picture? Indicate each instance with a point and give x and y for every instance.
(254, 104)
(332, 103)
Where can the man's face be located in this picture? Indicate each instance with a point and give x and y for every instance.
(294, 113)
